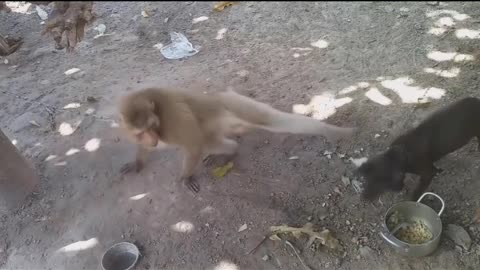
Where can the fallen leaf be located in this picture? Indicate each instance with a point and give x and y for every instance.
(222, 5)
(222, 171)
(324, 236)
(293, 158)
(243, 227)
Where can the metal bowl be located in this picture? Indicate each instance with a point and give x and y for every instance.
(121, 256)
(413, 211)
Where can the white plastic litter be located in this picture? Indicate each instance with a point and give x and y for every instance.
(179, 48)
(41, 13)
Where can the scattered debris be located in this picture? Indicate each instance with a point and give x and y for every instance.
(324, 236)
(72, 71)
(265, 258)
(41, 13)
(297, 254)
(101, 28)
(221, 33)
(179, 48)
(337, 190)
(357, 186)
(365, 251)
(243, 227)
(222, 5)
(358, 161)
(328, 154)
(34, 123)
(91, 99)
(476, 217)
(146, 13)
(158, 46)
(222, 171)
(345, 181)
(199, 19)
(459, 236)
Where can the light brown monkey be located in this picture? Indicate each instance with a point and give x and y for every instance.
(201, 124)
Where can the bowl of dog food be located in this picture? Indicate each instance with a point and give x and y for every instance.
(412, 228)
(121, 256)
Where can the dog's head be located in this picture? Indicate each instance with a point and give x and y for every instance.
(384, 172)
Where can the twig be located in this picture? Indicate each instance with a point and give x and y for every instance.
(298, 255)
(259, 244)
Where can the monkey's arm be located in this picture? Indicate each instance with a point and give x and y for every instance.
(138, 164)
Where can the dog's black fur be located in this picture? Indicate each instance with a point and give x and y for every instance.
(445, 131)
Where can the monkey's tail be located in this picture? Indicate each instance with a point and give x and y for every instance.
(268, 118)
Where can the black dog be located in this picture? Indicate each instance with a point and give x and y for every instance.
(445, 131)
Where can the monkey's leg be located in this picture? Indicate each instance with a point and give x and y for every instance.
(224, 147)
(192, 158)
(138, 164)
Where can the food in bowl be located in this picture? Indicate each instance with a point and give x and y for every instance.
(416, 232)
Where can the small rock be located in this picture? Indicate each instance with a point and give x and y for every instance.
(91, 99)
(337, 190)
(347, 222)
(376, 136)
(459, 236)
(357, 186)
(44, 82)
(365, 251)
(322, 217)
(265, 258)
(389, 9)
(309, 218)
(5, 61)
(243, 227)
(293, 158)
(345, 180)
(358, 161)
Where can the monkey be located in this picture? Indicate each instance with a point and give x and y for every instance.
(203, 124)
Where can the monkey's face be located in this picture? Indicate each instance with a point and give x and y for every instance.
(141, 133)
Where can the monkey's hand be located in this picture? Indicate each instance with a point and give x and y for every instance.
(191, 183)
(69, 18)
(136, 166)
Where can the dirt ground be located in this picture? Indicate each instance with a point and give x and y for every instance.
(364, 64)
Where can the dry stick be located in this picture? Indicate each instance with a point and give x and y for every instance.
(298, 255)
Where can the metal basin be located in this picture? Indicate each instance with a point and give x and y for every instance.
(415, 211)
(121, 256)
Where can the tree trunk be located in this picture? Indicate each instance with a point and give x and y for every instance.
(17, 176)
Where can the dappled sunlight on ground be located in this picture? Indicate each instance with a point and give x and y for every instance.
(92, 145)
(79, 246)
(183, 227)
(321, 106)
(376, 96)
(467, 34)
(138, 197)
(226, 265)
(411, 94)
(450, 73)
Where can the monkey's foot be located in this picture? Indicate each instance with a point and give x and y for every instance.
(130, 167)
(67, 23)
(219, 159)
(192, 184)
